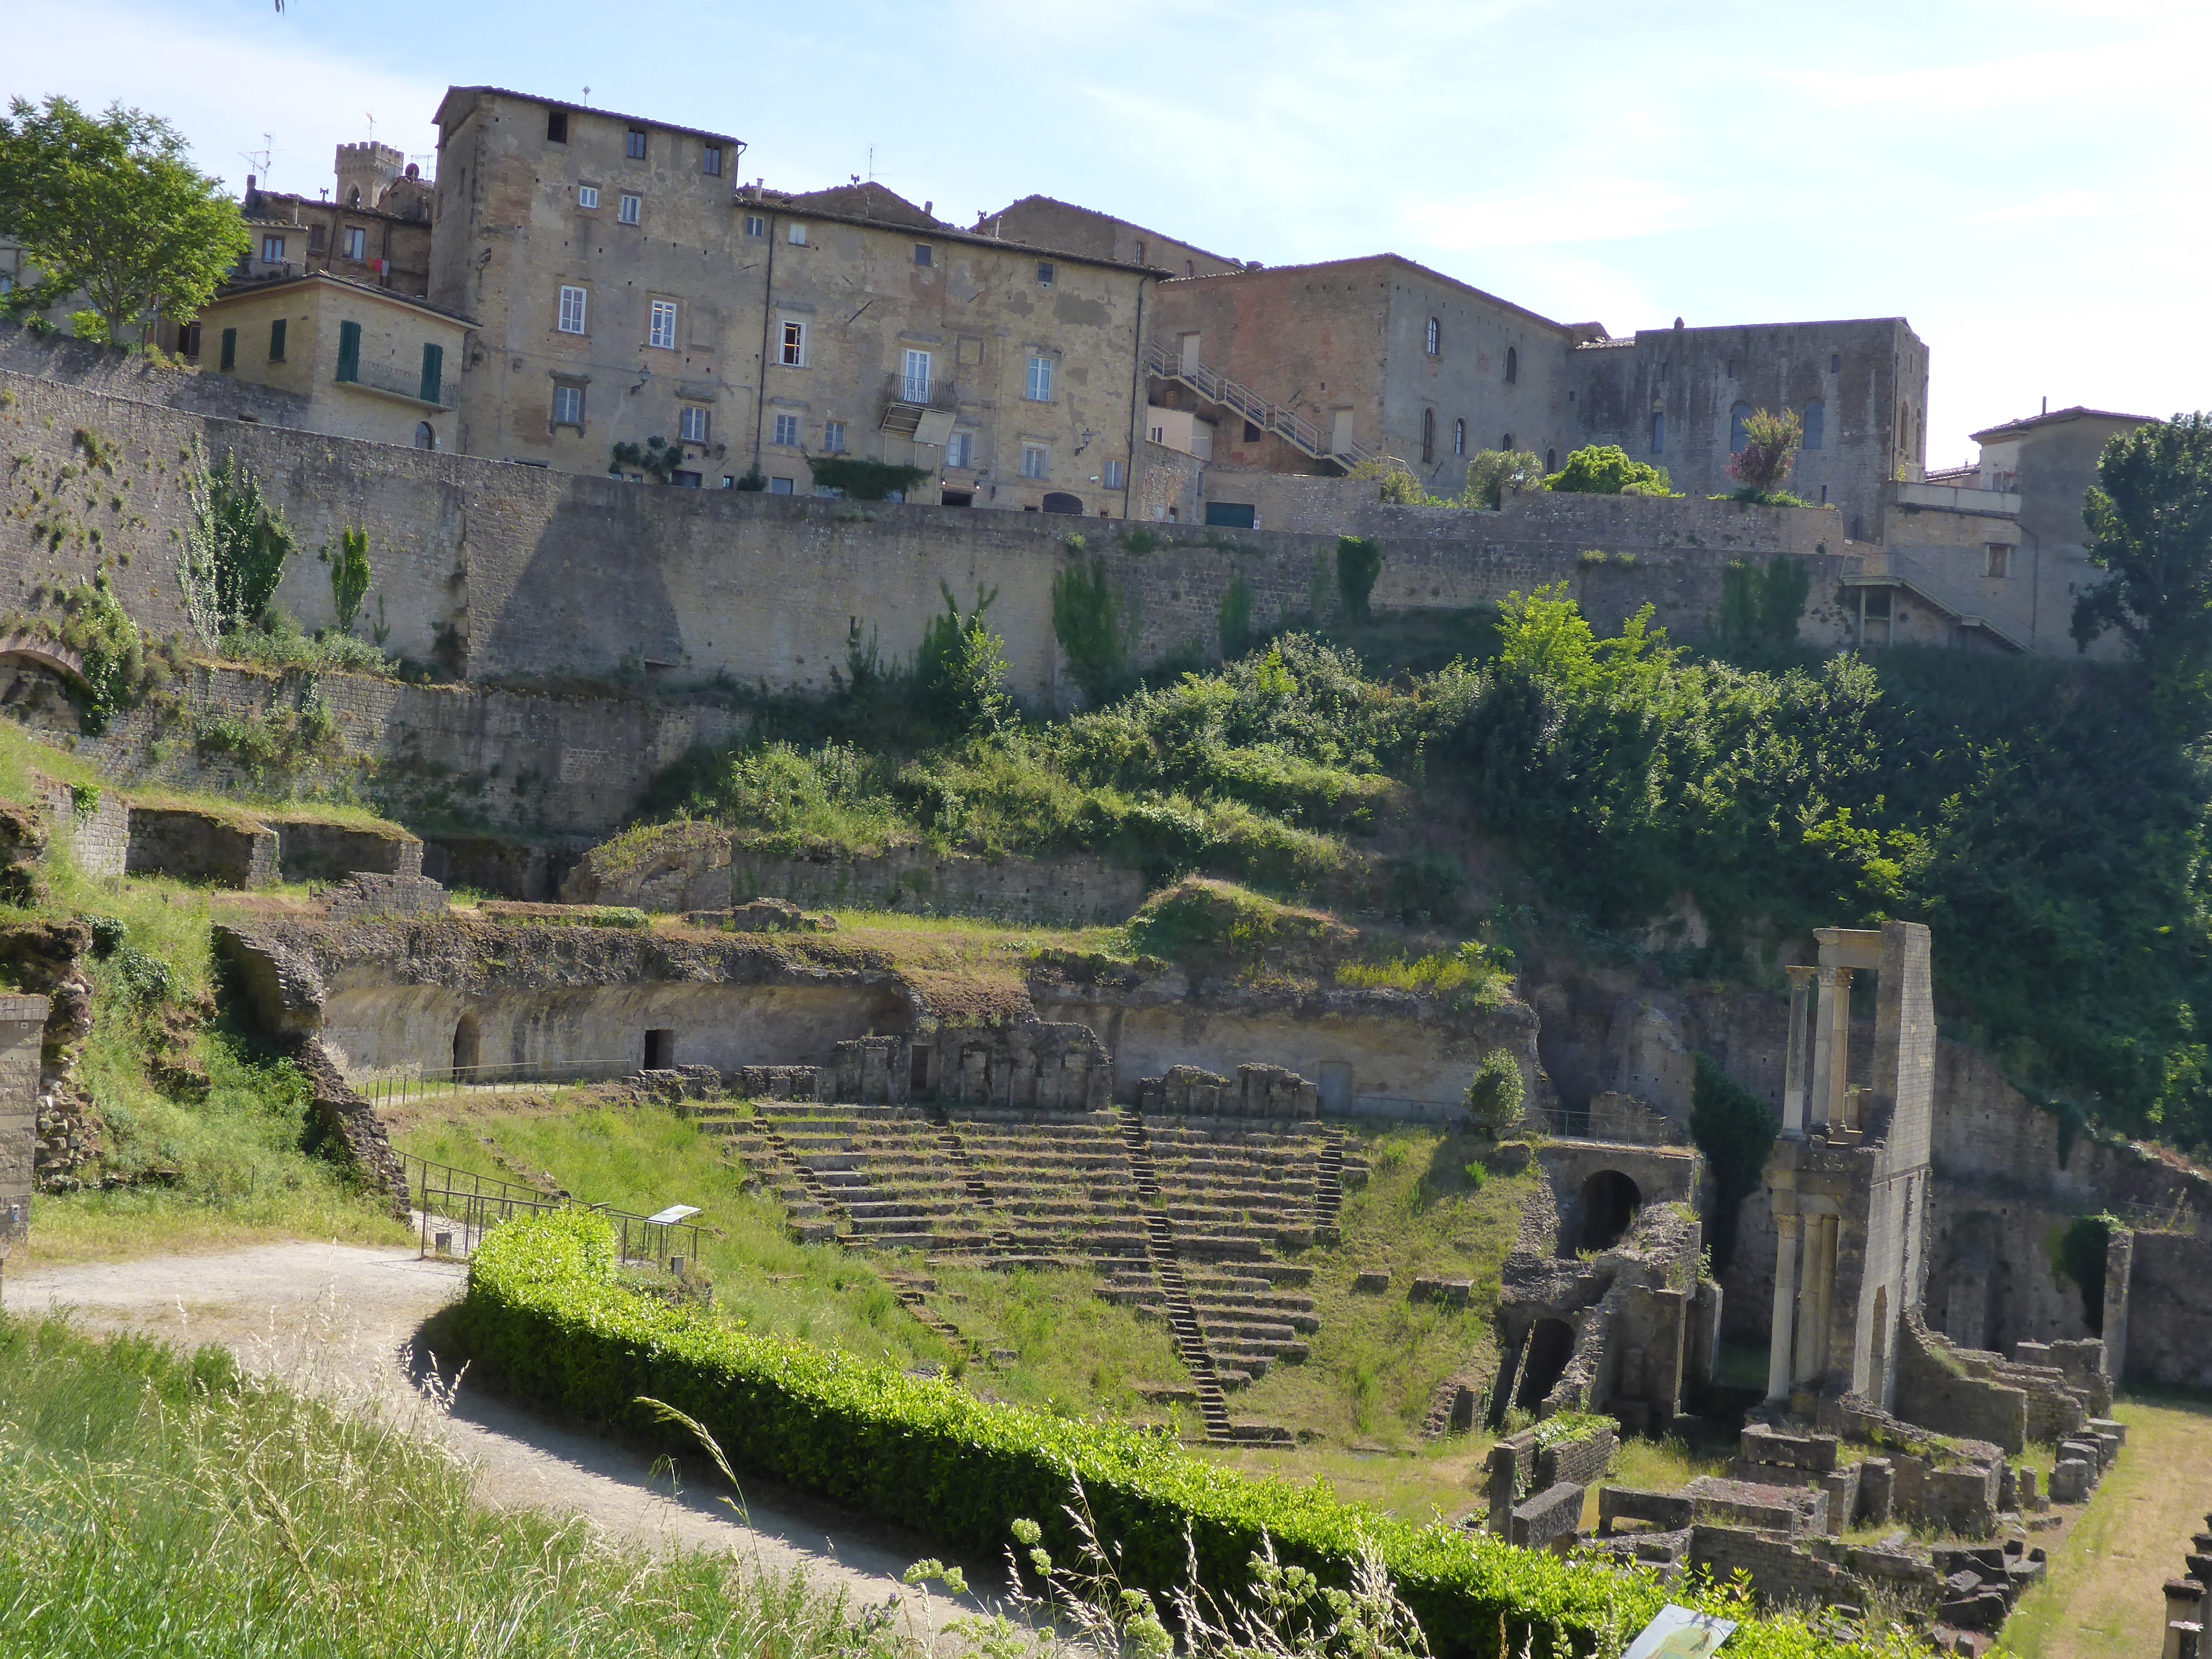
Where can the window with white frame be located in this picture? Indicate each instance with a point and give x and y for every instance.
(1459, 437)
(1040, 386)
(787, 430)
(1117, 474)
(356, 242)
(587, 196)
(1036, 461)
(960, 449)
(797, 236)
(755, 225)
(1435, 340)
(915, 385)
(792, 353)
(833, 436)
(691, 424)
(632, 208)
(573, 300)
(568, 405)
(663, 331)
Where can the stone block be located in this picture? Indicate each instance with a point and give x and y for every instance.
(1668, 1511)
(1372, 1279)
(1805, 1451)
(1579, 1461)
(2071, 1481)
(1555, 1512)
(191, 845)
(1877, 1485)
(311, 850)
(1789, 1511)
(2091, 1452)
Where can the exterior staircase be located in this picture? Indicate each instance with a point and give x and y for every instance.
(1167, 1269)
(1166, 363)
(1328, 1190)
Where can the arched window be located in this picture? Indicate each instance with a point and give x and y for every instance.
(1459, 437)
(1551, 460)
(354, 199)
(1428, 435)
(1512, 365)
(1658, 435)
(1435, 336)
(1737, 436)
(426, 435)
(1505, 443)
(1816, 424)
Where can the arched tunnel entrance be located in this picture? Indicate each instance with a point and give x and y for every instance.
(468, 1048)
(1609, 1203)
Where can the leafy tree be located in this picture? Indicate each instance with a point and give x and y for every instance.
(1607, 470)
(234, 553)
(349, 575)
(1770, 445)
(2150, 529)
(1494, 471)
(1494, 1098)
(112, 206)
(1400, 487)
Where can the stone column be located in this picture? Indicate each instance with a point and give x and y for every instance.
(1825, 1058)
(1814, 1298)
(22, 1030)
(1785, 1304)
(1799, 1061)
(2120, 1259)
(1839, 1050)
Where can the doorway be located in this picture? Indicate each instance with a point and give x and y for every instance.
(468, 1048)
(660, 1050)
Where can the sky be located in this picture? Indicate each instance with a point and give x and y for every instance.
(2026, 183)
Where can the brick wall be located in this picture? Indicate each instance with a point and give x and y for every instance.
(1935, 1392)
(98, 840)
(22, 1028)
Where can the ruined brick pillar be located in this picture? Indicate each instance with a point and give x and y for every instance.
(2119, 1261)
(22, 1033)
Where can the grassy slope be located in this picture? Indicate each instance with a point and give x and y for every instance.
(2101, 1599)
(158, 1504)
(244, 1170)
(1358, 1401)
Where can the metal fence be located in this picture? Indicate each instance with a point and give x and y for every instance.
(459, 1207)
(385, 1090)
(2178, 1217)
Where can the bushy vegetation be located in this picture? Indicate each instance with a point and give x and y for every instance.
(1607, 469)
(545, 1312)
(161, 1502)
(2043, 817)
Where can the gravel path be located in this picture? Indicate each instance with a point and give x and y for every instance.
(343, 1322)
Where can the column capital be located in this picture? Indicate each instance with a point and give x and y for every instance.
(1785, 1223)
(1801, 976)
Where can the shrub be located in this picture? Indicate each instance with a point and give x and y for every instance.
(544, 1313)
(1494, 1098)
(960, 672)
(1607, 470)
(1235, 619)
(864, 480)
(1359, 562)
(1094, 627)
(235, 551)
(349, 575)
(1492, 473)
(1770, 444)
(117, 671)
(657, 459)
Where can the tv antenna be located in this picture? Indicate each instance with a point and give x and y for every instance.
(371, 114)
(872, 162)
(261, 160)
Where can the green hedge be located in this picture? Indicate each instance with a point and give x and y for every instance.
(544, 1317)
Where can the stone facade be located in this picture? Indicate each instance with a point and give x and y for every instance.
(1687, 388)
(189, 844)
(375, 229)
(1041, 222)
(365, 362)
(628, 288)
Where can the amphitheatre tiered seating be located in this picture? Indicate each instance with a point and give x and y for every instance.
(1010, 1188)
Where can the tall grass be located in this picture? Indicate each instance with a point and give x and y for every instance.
(162, 1504)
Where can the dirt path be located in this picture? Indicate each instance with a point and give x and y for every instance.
(343, 1322)
(2103, 1597)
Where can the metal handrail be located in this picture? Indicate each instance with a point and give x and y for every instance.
(1219, 388)
(384, 1090)
(476, 1203)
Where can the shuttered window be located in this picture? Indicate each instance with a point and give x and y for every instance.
(434, 373)
(349, 352)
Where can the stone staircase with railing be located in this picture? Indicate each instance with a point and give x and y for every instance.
(1217, 389)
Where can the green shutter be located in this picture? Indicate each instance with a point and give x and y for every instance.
(276, 341)
(229, 351)
(349, 352)
(434, 372)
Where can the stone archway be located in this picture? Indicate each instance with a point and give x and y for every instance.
(1607, 1210)
(468, 1048)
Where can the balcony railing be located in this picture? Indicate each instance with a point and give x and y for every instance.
(399, 383)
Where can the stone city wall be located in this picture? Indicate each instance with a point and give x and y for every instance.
(500, 571)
